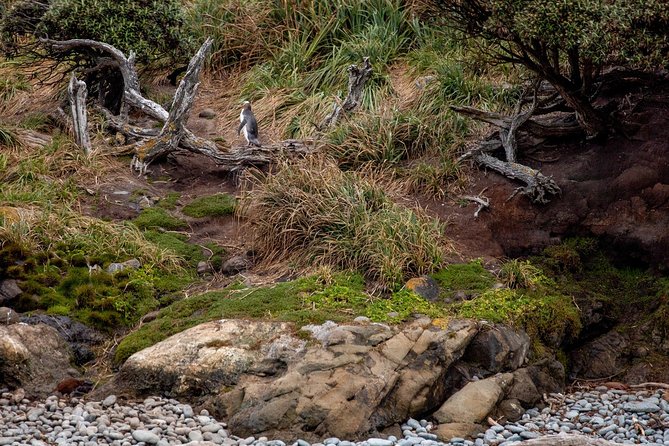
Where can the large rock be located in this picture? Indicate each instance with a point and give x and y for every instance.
(475, 401)
(600, 357)
(81, 339)
(350, 381)
(498, 348)
(211, 357)
(9, 290)
(33, 357)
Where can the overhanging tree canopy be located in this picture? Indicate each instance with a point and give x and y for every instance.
(567, 42)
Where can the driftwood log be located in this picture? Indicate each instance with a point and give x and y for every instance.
(565, 440)
(77, 93)
(174, 137)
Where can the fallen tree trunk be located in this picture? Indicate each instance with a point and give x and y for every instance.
(545, 129)
(538, 187)
(175, 126)
(151, 144)
(77, 93)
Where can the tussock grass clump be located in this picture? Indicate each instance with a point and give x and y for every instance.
(314, 213)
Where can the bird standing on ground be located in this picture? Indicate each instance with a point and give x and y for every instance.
(248, 123)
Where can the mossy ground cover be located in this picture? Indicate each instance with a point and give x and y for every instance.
(338, 297)
(61, 282)
(156, 217)
(218, 205)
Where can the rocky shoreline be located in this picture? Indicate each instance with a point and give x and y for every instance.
(616, 415)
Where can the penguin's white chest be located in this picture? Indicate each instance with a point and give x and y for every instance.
(241, 118)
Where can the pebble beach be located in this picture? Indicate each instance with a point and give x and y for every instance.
(616, 415)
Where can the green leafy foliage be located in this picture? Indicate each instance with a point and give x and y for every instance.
(152, 29)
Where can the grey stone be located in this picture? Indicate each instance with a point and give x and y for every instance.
(641, 407)
(235, 264)
(380, 442)
(207, 113)
(9, 316)
(9, 290)
(109, 401)
(203, 267)
(145, 436)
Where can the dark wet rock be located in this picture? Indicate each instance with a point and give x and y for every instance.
(600, 357)
(80, 338)
(235, 264)
(9, 290)
(498, 348)
(425, 286)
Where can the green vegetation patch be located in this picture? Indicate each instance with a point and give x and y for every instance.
(471, 278)
(338, 297)
(544, 316)
(217, 205)
(155, 217)
(61, 282)
(169, 202)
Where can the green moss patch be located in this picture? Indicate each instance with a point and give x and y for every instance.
(218, 205)
(177, 243)
(60, 282)
(471, 278)
(311, 300)
(152, 218)
(541, 315)
(169, 202)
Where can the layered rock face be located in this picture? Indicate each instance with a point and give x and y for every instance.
(346, 381)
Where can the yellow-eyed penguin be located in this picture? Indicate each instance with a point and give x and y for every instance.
(249, 125)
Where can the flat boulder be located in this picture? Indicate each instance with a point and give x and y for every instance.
(33, 357)
(211, 356)
(475, 401)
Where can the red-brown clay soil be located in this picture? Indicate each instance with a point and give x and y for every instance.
(617, 190)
